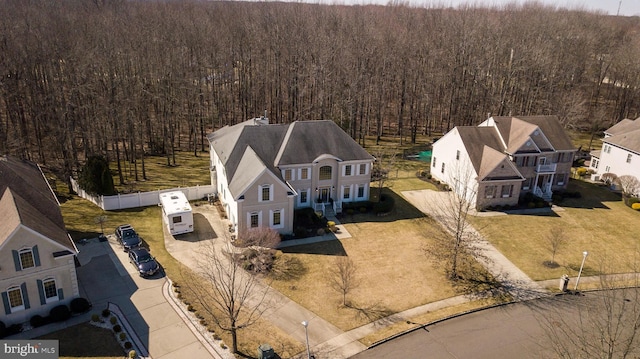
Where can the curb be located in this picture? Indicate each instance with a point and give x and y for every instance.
(206, 342)
(137, 343)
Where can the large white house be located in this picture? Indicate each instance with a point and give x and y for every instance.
(262, 172)
(620, 154)
(37, 268)
(504, 157)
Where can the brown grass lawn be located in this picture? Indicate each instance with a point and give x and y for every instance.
(87, 341)
(599, 223)
(188, 171)
(392, 268)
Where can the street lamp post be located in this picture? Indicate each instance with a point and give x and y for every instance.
(306, 334)
(584, 257)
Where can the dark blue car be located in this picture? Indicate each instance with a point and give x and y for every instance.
(128, 237)
(144, 262)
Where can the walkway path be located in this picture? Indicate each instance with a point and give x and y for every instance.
(521, 287)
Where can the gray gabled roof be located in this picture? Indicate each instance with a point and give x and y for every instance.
(516, 131)
(308, 140)
(625, 134)
(248, 147)
(625, 125)
(475, 139)
(26, 198)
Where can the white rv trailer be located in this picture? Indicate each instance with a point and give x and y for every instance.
(176, 212)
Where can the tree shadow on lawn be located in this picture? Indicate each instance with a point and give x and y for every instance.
(592, 196)
(401, 210)
(328, 248)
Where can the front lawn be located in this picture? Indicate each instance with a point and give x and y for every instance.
(598, 223)
(86, 341)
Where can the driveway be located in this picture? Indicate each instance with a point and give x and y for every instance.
(433, 204)
(106, 276)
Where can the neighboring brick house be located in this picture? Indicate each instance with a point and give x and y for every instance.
(503, 158)
(37, 267)
(620, 154)
(262, 172)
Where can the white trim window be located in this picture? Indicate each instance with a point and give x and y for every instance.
(304, 173)
(489, 191)
(254, 219)
(629, 156)
(325, 173)
(50, 291)
(304, 196)
(15, 299)
(507, 190)
(347, 170)
(362, 169)
(26, 258)
(346, 193)
(277, 220)
(288, 175)
(265, 193)
(361, 191)
(561, 178)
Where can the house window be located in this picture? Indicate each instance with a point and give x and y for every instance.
(304, 173)
(525, 161)
(607, 149)
(607, 169)
(363, 169)
(442, 169)
(304, 196)
(490, 191)
(361, 191)
(26, 258)
(176, 219)
(347, 193)
(526, 184)
(16, 302)
(433, 163)
(507, 190)
(50, 290)
(325, 173)
(561, 179)
(457, 154)
(265, 193)
(288, 175)
(595, 164)
(254, 220)
(629, 158)
(347, 170)
(276, 218)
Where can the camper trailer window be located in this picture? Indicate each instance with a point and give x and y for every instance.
(177, 219)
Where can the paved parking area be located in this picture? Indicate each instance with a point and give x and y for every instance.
(107, 276)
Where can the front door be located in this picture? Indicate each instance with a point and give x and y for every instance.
(324, 194)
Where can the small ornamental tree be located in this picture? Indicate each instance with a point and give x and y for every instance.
(95, 176)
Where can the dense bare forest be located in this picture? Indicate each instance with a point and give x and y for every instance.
(126, 78)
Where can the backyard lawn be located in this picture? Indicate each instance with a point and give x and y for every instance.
(598, 223)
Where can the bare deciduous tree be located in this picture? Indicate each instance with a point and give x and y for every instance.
(234, 298)
(344, 277)
(602, 324)
(630, 185)
(457, 239)
(555, 240)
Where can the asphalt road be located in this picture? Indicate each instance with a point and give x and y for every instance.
(519, 330)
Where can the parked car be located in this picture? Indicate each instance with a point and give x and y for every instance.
(144, 261)
(128, 237)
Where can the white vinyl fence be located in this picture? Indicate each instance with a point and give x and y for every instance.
(140, 199)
